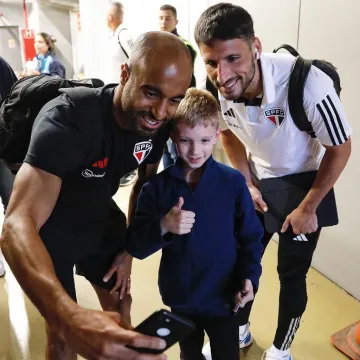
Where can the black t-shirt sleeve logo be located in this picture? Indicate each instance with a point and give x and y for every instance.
(97, 169)
(142, 150)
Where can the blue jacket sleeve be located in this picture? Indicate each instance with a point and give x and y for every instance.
(143, 236)
(249, 232)
(56, 68)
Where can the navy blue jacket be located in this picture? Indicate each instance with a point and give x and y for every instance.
(200, 272)
(50, 65)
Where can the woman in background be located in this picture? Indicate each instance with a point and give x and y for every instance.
(45, 62)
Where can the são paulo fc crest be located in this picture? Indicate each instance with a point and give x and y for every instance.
(142, 150)
(276, 116)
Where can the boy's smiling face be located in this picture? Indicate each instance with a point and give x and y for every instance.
(195, 145)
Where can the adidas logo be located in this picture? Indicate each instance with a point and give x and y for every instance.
(300, 237)
(230, 113)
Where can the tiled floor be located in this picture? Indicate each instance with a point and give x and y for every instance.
(329, 310)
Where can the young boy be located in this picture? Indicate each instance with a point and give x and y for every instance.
(201, 214)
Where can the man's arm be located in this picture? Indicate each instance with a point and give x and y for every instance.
(92, 334)
(327, 116)
(331, 167)
(122, 263)
(236, 152)
(304, 219)
(32, 201)
(145, 173)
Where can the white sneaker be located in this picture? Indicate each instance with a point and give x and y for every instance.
(268, 355)
(206, 351)
(2, 268)
(245, 340)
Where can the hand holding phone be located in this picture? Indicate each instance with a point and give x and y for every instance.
(167, 326)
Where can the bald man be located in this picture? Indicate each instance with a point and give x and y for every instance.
(61, 211)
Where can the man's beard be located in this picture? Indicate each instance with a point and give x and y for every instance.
(236, 96)
(143, 131)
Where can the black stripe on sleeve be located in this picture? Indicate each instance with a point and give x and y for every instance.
(338, 118)
(326, 124)
(333, 122)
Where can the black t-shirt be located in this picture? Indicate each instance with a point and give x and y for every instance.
(90, 155)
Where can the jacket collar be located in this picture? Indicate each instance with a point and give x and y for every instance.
(176, 170)
(175, 32)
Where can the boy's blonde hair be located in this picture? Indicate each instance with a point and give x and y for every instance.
(199, 107)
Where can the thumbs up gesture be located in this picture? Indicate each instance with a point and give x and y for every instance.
(177, 221)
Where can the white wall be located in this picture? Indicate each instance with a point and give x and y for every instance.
(13, 13)
(332, 32)
(77, 45)
(94, 35)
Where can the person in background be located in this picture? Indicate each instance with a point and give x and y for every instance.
(120, 45)
(45, 61)
(7, 80)
(201, 214)
(167, 22)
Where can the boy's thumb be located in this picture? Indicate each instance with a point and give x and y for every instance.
(180, 203)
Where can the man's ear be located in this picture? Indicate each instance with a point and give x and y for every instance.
(125, 74)
(217, 135)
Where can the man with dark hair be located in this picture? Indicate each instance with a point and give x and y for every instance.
(61, 211)
(168, 22)
(253, 87)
